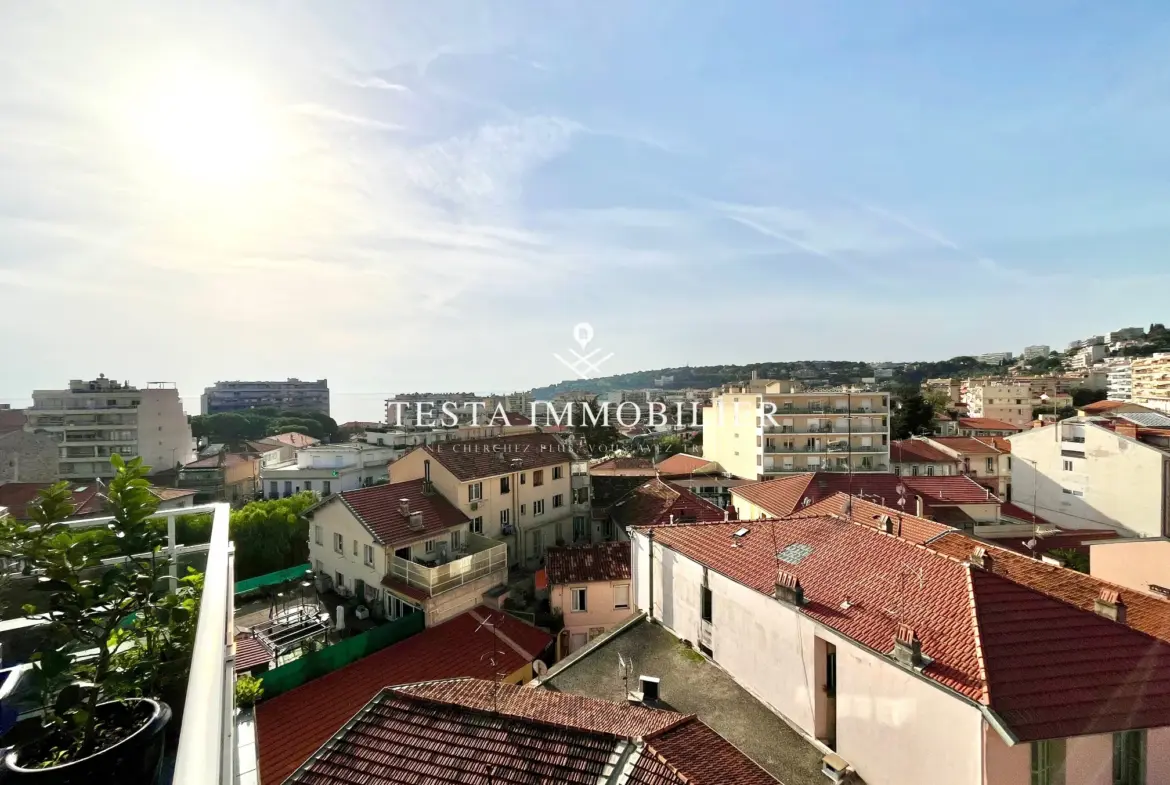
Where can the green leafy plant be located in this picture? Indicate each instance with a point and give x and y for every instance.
(249, 690)
(93, 606)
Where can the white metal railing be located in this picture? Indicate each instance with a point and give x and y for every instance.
(453, 574)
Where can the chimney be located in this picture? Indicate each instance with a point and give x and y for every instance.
(918, 506)
(979, 558)
(788, 588)
(907, 647)
(1109, 605)
(416, 521)
(428, 489)
(404, 506)
(886, 523)
(726, 515)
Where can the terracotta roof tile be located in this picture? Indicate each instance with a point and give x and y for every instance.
(293, 439)
(682, 463)
(624, 467)
(379, 510)
(601, 561)
(214, 461)
(786, 495)
(17, 496)
(909, 527)
(250, 652)
(977, 445)
(475, 458)
(917, 451)
(653, 503)
(703, 756)
(170, 494)
(291, 726)
(1102, 406)
(1012, 511)
(988, 424)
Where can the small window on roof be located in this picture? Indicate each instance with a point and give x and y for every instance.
(794, 553)
(740, 533)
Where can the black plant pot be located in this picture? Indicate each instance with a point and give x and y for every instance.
(136, 758)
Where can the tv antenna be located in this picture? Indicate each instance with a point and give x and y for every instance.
(494, 658)
(625, 668)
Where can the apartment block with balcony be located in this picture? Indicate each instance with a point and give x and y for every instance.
(1119, 382)
(514, 489)
(1039, 350)
(325, 469)
(1008, 402)
(1087, 356)
(838, 429)
(291, 395)
(405, 549)
(91, 421)
(1150, 379)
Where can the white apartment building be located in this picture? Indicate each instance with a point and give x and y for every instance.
(94, 420)
(327, 469)
(1087, 356)
(291, 394)
(1150, 377)
(1005, 401)
(836, 429)
(1120, 382)
(995, 358)
(1078, 473)
(1126, 334)
(1039, 350)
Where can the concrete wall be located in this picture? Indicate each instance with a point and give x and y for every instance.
(729, 434)
(334, 518)
(164, 435)
(454, 602)
(28, 457)
(599, 608)
(1123, 482)
(1133, 564)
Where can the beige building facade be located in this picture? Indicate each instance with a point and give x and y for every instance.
(1150, 381)
(1008, 402)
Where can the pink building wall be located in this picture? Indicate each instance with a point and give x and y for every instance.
(599, 608)
(1134, 564)
(1088, 759)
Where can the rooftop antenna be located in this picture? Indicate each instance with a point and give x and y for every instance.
(901, 489)
(494, 657)
(625, 667)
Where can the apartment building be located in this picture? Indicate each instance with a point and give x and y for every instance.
(1088, 356)
(995, 358)
(404, 548)
(770, 427)
(517, 489)
(291, 395)
(327, 468)
(951, 662)
(952, 387)
(915, 457)
(1150, 379)
(1039, 350)
(590, 586)
(1091, 473)
(1119, 382)
(1126, 334)
(986, 459)
(1141, 564)
(91, 421)
(1009, 402)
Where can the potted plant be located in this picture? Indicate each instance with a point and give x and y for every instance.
(101, 668)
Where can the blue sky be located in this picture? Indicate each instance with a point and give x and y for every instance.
(410, 196)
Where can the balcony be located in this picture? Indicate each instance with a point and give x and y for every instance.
(480, 556)
(835, 468)
(776, 449)
(803, 429)
(829, 410)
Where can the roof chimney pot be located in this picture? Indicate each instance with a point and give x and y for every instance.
(907, 647)
(788, 589)
(979, 558)
(1109, 605)
(404, 506)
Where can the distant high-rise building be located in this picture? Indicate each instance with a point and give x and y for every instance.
(94, 420)
(291, 395)
(1120, 382)
(1151, 381)
(995, 358)
(1040, 350)
(1125, 334)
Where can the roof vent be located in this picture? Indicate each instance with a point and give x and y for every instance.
(979, 558)
(416, 521)
(788, 588)
(404, 506)
(907, 647)
(1109, 605)
(885, 523)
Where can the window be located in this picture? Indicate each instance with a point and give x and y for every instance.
(355, 544)
(523, 478)
(558, 472)
(991, 465)
(559, 500)
(368, 555)
(326, 487)
(538, 507)
(318, 535)
(273, 492)
(914, 470)
(504, 484)
(706, 592)
(538, 477)
(456, 540)
(1067, 466)
(1129, 758)
(578, 600)
(523, 509)
(476, 525)
(537, 542)
(505, 516)
(1048, 762)
(621, 596)
(929, 471)
(475, 491)
(288, 487)
(340, 581)
(308, 485)
(338, 543)
(430, 546)
(1072, 492)
(580, 527)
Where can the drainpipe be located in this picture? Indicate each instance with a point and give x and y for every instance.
(650, 610)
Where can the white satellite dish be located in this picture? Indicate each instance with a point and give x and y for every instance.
(539, 668)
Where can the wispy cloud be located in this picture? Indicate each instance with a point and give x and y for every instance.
(326, 113)
(378, 83)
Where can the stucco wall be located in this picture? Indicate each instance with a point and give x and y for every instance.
(335, 518)
(454, 602)
(28, 457)
(599, 606)
(1134, 565)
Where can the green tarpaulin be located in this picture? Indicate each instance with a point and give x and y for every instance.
(290, 574)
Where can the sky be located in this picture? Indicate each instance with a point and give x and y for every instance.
(431, 196)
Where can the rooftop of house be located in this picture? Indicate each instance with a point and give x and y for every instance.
(599, 561)
(513, 419)
(293, 439)
(477, 458)
(988, 424)
(1013, 635)
(631, 466)
(691, 684)
(17, 496)
(380, 510)
(684, 464)
(1100, 407)
(658, 502)
(976, 445)
(785, 495)
(292, 726)
(916, 451)
(222, 459)
(471, 730)
(170, 494)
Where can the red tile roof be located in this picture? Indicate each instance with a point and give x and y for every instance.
(785, 495)
(290, 727)
(475, 458)
(626, 467)
(12, 420)
(1102, 406)
(909, 527)
(220, 459)
(250, 652)
(978, 445)
(378, 508)
(601, 561)
(476, 731)
(682, 464)
(988, 424)
(655, 502)
(17, 496)
(1047, 668)
(170, 494)
(513, 419)
(917, 451)
(293, 439)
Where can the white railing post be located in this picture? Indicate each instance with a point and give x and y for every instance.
(172, 552)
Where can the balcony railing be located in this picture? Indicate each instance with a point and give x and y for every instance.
(828, 410)
(485, 556)
(879, 467)
(773, 449)
(803, 429)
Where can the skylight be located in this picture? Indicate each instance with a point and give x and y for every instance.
(794, 553)
(740, 533)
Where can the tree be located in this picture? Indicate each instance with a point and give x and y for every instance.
(271, 535)
(913, 416)
(1073, 559)
(671, 445)
(939, 400)
(597, 438)
(1083, 396)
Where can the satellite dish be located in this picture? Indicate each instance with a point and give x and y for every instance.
(539, 668)
(901, 489)
(901, 501)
